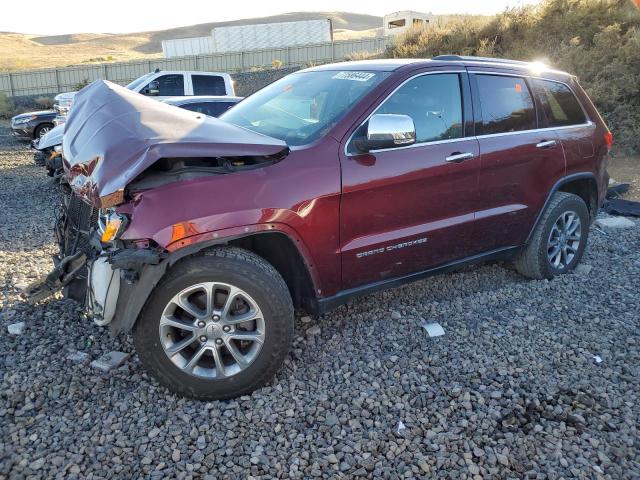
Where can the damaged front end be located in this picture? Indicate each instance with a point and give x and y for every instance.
(119, 145)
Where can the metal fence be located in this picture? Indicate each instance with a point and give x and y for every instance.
(56, 80)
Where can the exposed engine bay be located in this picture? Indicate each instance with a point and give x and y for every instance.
(169, 170)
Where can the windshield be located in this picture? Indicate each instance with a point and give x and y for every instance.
(139, 81)
(302, 107)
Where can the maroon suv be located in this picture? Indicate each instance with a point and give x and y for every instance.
(204, 236)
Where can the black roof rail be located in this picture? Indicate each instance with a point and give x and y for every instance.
(479, 59)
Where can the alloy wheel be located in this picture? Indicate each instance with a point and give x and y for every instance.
(212, 330)
(564, 240)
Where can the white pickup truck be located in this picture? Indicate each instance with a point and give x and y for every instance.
(161, 85)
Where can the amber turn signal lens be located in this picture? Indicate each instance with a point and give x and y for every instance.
(111, 230)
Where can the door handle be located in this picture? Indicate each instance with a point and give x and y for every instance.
(546, 144)
(459, 157)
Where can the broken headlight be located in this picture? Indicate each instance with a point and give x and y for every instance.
(111, 225)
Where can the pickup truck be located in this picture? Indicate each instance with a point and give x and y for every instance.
(204, 236)
(162, 85)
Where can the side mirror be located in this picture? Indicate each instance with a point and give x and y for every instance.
(387, 130)
(153, 89)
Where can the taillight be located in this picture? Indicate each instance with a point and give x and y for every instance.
(608, 139)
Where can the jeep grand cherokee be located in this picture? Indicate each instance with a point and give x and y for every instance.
(203, 236)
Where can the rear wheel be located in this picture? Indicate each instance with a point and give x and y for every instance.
(559, 239)
(218, 326)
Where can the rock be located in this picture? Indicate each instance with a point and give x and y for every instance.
(314, 330)
(614, 223)
(332, 459)
(395, 315)
(154, 432)
(16, 328)
(332, 420)
(175, 455)
(110, 361)
(583, 269)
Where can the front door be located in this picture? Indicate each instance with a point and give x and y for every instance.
(410, 208)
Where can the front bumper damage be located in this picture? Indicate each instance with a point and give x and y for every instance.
(115, 283)
(111, 281)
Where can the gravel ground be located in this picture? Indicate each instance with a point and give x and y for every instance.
(511, 390)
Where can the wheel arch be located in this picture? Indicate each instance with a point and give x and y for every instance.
(582, 184)
(276, 247)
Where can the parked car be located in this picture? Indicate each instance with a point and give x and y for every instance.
(214, 106)
(48, 150)
(333, 182)
(28, 126)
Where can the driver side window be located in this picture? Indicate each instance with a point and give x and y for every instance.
(168, 85)
(434, 102)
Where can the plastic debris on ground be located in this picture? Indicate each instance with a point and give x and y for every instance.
(401, 427)
(434, 329)
(614, 205)
(110, 361)
(597, 358)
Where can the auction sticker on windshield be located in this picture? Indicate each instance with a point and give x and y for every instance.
(355, 76)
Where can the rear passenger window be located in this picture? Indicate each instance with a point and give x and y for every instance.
(434, 102)
(506, 104)
(208, 85)
(559, 104)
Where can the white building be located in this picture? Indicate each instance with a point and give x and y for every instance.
(399, 22)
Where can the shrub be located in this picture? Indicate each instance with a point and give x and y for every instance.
(44, 102)
(277, 64)
(597, 40)
(80, 85)
(6, 106)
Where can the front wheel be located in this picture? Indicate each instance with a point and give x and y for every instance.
(42, 130)
(218, 326)
(559, 240)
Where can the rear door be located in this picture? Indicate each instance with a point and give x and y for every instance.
(561, 110)
(208, 85)
(406, 209)
(520, 161)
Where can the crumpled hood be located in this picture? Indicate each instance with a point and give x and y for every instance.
(113, 134)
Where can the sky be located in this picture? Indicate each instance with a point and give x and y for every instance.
(123, 16)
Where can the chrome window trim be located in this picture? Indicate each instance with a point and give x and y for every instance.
(532, 130)
(435, 72)
(589, 123)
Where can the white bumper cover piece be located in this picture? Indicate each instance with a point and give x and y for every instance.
(103, 291)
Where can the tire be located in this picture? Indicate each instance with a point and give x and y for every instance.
(534, 260)
(217, 270)
(41, 130)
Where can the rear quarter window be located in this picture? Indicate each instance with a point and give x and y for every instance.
(559, 104)
(506, 104)
(208, 85)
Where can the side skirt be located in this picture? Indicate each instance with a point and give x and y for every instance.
(325, 305)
